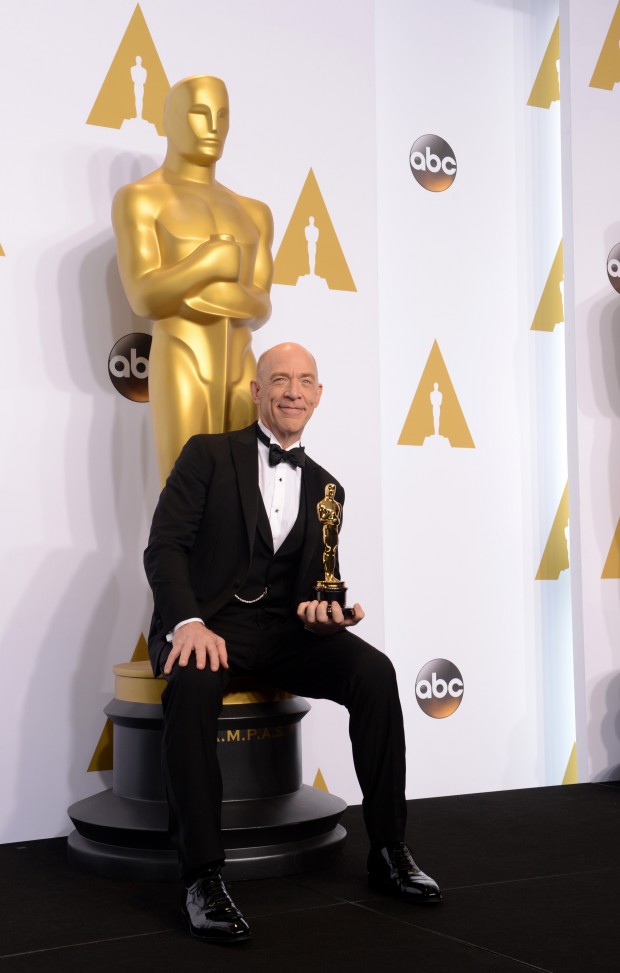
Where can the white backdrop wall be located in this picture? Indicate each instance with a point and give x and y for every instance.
(440, 546)
(465, 267)
(591, 142)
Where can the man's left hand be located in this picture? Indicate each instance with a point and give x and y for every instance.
(314, 616)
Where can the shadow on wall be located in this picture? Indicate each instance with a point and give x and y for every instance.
(94, 594)
(603, 403)
(605, 699)
(599, 401)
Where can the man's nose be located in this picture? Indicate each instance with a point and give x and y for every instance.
(294, 389)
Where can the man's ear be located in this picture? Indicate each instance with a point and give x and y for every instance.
(255, 391)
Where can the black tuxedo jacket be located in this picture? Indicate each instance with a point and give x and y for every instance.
(200, 546)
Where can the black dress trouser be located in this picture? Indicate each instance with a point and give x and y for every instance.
(280, 652)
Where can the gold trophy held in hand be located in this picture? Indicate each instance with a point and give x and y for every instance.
(330, 588)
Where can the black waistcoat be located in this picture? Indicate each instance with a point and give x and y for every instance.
(276, 572)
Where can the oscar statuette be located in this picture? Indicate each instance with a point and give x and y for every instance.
(330, 588)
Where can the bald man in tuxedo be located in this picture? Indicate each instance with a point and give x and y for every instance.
(234, 552)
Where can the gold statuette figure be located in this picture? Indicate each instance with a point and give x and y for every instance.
(196, 258)
(330, 588)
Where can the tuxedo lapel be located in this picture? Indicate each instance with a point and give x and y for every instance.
(244, 452)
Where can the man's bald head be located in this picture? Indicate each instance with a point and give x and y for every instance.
(286, 390)
(286, 350)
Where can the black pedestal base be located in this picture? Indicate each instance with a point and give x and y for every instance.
(263, 839)
(272, 824)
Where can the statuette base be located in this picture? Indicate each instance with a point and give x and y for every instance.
(331, 591)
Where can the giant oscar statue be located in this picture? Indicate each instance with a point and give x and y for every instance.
(195, 257)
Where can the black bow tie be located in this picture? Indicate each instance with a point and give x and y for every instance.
(296, 456)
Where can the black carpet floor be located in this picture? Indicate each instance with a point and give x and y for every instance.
(531, 881)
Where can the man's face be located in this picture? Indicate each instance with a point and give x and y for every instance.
(286, 391)
(196, 119)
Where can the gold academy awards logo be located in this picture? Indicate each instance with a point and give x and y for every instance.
(550, 310)
(432, 163)
(310, 254)
(607, 71)
(435, 418)
(135, 88)
(546, 87)
(319, 782)
(555, 558)
(612, 564)
(103, 754)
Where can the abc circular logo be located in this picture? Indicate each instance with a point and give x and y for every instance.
(433, 163)
(613, 267)
(128, 366)
(439, 688)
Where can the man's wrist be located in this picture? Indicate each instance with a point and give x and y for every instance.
(170, 635)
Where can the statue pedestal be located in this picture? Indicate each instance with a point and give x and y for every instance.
(272, 823)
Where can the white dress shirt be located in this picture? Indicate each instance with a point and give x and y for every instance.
(280, 488)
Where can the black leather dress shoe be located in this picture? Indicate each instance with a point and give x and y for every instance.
(211, 913)
(393, 870)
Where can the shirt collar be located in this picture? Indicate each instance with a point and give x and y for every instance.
(272, 438)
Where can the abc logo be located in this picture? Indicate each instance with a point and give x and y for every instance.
(613, 267)
(439, 688)
(432, 163)
(128, 366)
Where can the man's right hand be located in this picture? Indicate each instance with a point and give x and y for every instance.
(196, 637)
